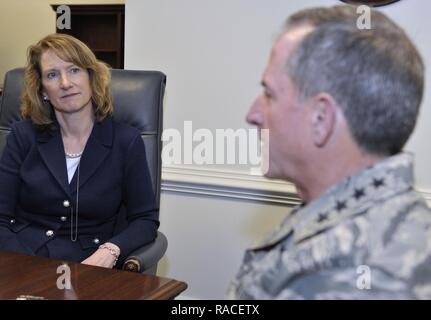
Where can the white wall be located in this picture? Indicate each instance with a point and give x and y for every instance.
(414, 16)
(213, 53)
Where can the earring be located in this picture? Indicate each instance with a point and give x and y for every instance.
(45, 98)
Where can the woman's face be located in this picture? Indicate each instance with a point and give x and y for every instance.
(66, 85)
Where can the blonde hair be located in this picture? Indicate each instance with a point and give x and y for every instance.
(71, 50)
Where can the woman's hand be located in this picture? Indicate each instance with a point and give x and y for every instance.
(103, 257)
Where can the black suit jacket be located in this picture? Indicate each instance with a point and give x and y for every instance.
(36, 200)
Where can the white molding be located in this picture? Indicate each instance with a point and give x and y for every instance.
(235, 185)
(227, 184)
(426, 193)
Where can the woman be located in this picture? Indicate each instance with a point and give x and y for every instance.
(68, 167)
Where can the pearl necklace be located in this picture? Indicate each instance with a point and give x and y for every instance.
(74, 155)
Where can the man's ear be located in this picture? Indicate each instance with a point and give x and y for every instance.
(323, 118)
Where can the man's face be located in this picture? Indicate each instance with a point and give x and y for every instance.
(278, 109)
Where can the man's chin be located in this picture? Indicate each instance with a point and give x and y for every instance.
(273, 173)
(268, 174)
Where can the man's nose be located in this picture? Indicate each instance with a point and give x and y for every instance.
(255, 114)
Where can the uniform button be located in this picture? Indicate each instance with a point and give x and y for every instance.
(66, 203)
(12, 221)
(63, 218)
(49, 233)
(96, 240)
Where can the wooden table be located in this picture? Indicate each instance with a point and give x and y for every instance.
(36, 276)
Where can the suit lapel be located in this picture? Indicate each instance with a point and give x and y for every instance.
(96, 150)
(52, 152)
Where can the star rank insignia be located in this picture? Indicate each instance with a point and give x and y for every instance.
(378, 182)
(323, 216)
(359, 193)
(340, 206)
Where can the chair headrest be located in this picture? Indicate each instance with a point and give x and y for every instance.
(11, 98)
(138, 98)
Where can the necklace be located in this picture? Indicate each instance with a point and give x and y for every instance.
(74, 155)
(74, 218)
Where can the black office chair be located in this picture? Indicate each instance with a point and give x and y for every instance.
(138, 101)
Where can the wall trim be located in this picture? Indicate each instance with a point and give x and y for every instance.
(234, 185)
(426, 193)
(227, 184)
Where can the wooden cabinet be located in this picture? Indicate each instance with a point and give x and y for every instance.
(101, 27)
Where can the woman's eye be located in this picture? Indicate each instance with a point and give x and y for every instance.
(75, 70)
(51, 75)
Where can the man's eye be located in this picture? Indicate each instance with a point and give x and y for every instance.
(267, 95)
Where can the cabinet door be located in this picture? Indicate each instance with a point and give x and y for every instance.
(101, 27)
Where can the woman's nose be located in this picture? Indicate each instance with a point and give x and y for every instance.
(65, 82)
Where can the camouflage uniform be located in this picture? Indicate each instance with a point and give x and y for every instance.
(373, 219)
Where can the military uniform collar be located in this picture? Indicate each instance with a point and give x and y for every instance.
(352, 196)
(355, 195)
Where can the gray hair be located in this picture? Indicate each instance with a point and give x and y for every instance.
(376, 76)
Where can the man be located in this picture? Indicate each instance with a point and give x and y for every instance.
(340, 103)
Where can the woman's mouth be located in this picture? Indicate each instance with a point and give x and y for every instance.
(69, 95)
